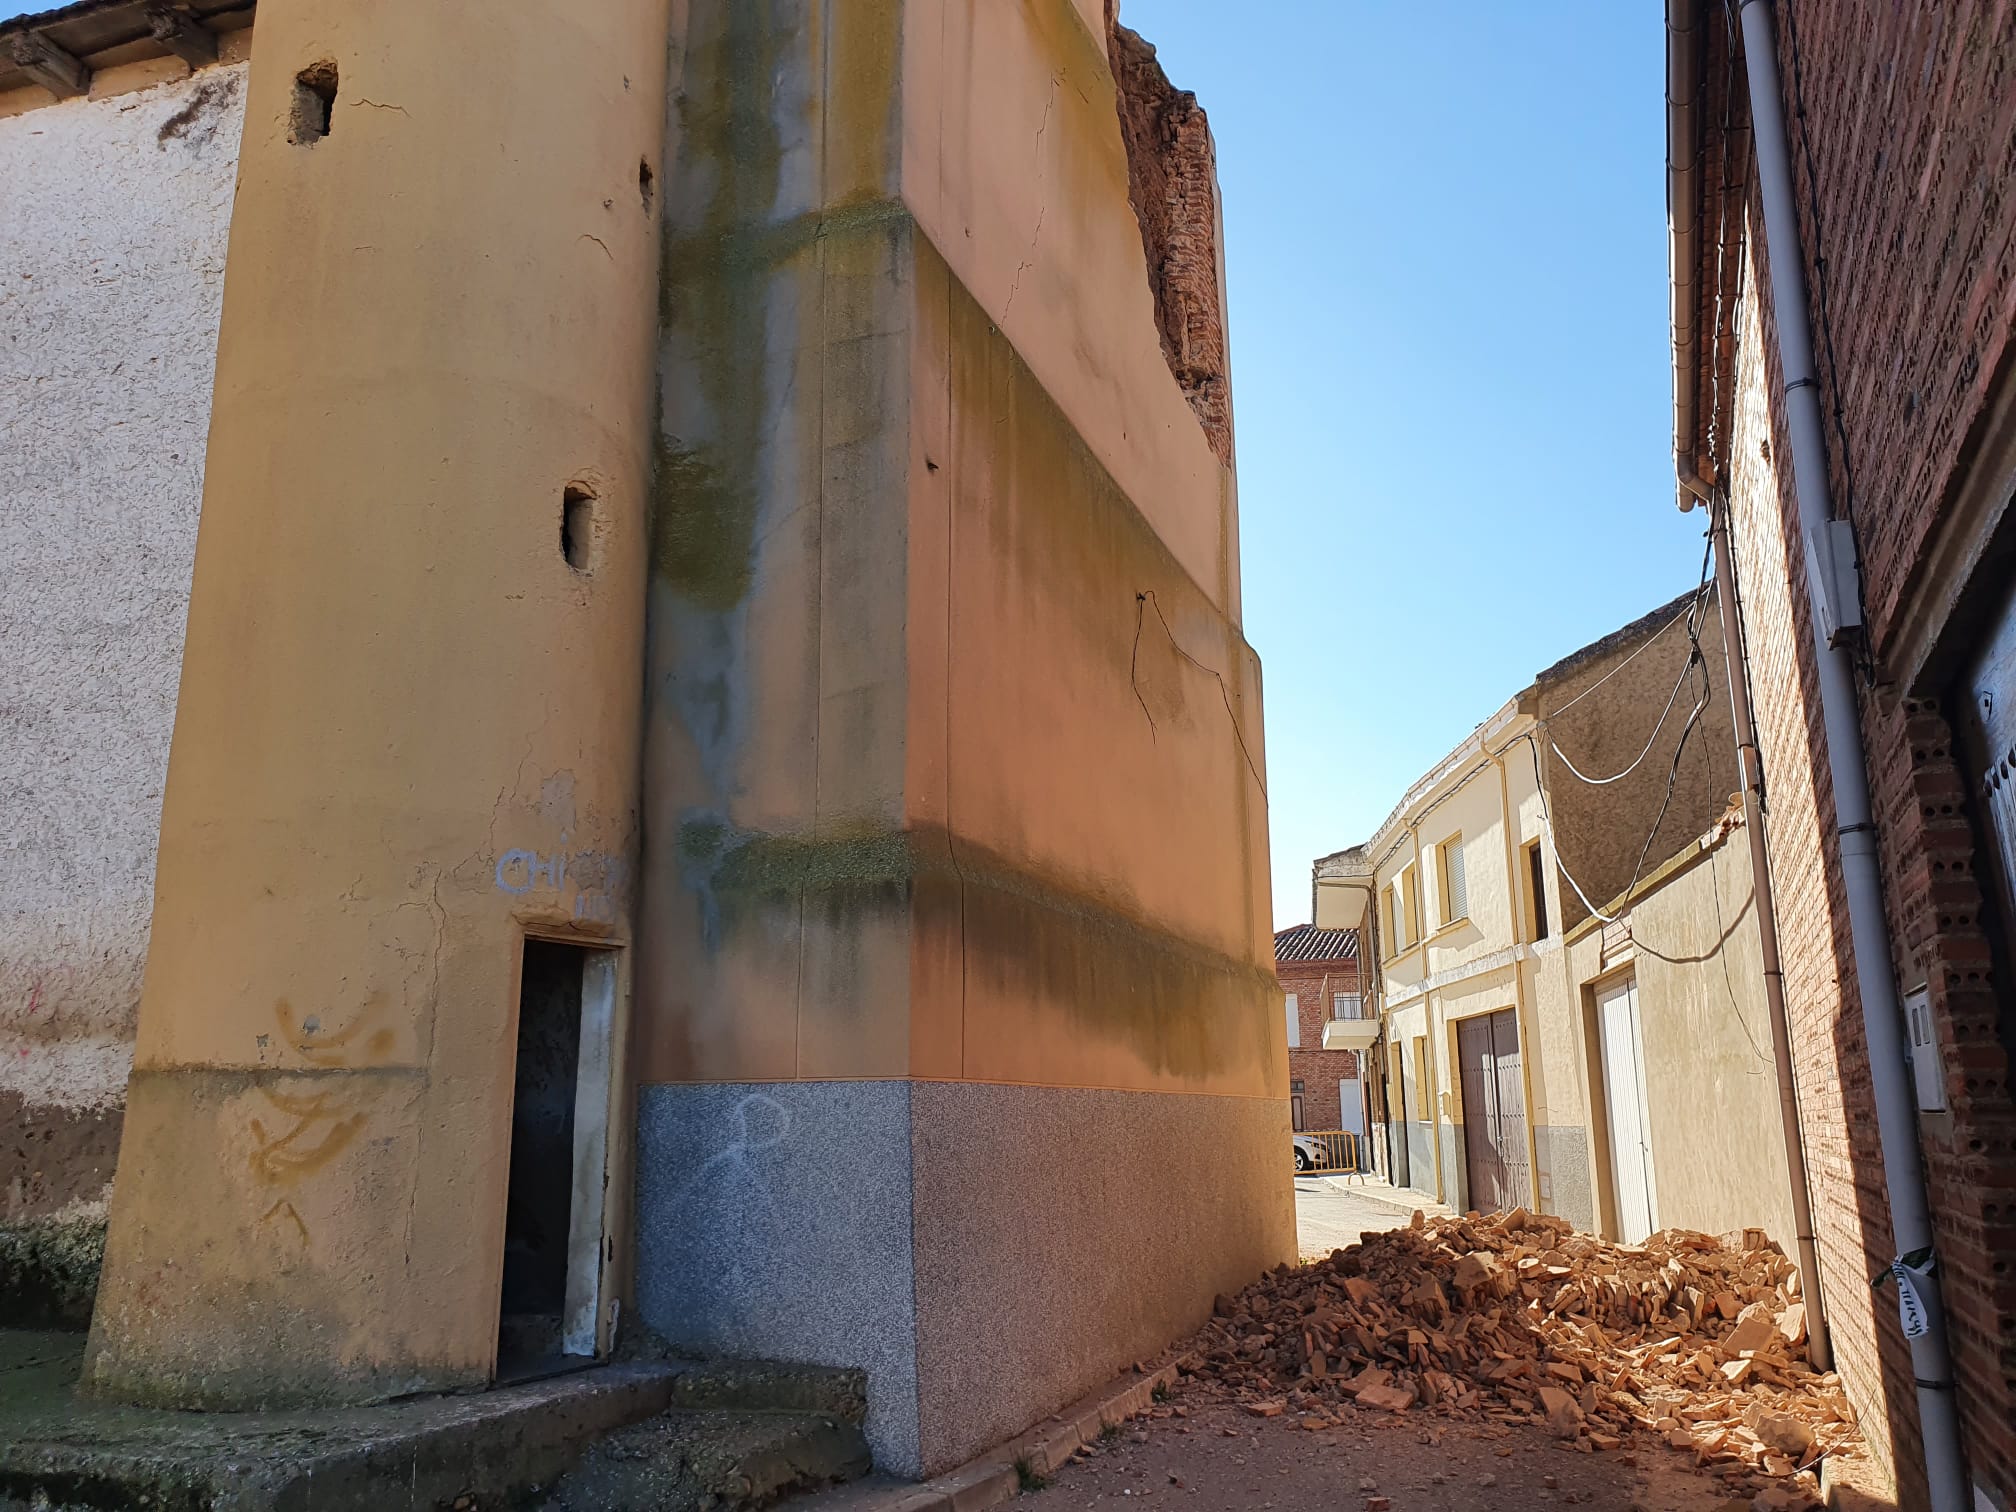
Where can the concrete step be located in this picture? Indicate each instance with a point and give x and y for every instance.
(661, 1434)
(724, 1458)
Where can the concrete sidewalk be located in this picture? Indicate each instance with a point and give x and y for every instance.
(1333, 1212)
(1380, 1190)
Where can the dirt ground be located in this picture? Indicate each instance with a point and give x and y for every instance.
(1210, 1455)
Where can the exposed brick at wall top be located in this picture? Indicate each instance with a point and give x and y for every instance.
(1172, 174)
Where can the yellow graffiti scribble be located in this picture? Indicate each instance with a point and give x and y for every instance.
(282, 1158)
(331, 1049)
(285, 1210)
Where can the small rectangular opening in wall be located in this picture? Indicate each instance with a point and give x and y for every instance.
(577, 526)
(554, 1201)
(314, 103)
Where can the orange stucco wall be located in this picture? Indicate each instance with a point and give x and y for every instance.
(954, 764)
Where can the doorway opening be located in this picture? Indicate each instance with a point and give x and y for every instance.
(1351, 1104)
(1494, 1111)
(554, 1197)
(1620, 1038)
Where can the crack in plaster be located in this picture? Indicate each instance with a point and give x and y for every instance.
(1042, 206)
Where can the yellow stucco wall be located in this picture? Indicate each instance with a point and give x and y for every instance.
(407, 726)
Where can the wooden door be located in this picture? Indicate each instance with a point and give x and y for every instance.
(1629, 1127)
(1494, 1111)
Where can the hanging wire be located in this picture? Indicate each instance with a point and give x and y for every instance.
(1671, 699)
(1696, 664)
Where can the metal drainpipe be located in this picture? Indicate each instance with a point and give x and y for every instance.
(1528, 1047)
(1444, 1190)
(1818, 1352)
(1682, 140)
(1896, 1105)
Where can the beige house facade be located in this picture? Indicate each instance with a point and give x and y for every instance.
(1566, 970)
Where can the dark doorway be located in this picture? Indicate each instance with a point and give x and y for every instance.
(539, 1200)
(1986, 723)
(1494, 1111)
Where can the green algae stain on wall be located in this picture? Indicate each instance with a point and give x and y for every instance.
(764, 81)
(728, 164)
(704, 524)
(1185, 1009)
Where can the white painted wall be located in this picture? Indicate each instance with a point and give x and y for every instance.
(113, 219)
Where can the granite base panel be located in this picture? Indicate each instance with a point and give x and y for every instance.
(986, 1253)
(774, 1222)
(1421, 1158)
(1063, 1233)
(1563, 1151)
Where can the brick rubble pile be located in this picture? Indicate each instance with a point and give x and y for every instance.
(1515, 1317)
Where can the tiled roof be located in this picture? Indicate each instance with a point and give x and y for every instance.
(1305, 942)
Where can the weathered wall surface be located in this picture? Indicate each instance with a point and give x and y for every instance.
(953, 774)
(1016, 169)
(111, 274)
(1601, 829)
(407, 725)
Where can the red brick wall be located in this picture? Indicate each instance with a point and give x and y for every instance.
(1844, 1161)
(1910, 108)
(1319, 1070)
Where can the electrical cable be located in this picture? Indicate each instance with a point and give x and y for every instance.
(1671, 699)
(1643, 647)
(1696, 662)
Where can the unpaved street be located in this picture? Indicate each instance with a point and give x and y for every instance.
(1220, 1457)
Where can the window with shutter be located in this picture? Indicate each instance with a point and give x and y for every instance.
(1294, 1022)
(1455, 888)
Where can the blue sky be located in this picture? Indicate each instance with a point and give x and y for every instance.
(1445, 247)
(1446, 259)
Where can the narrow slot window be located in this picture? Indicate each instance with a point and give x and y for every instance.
(577, 527)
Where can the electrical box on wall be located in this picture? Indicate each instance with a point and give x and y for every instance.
(1925, 1069)
(1832, 580)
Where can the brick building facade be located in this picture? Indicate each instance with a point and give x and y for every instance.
(1903, 141)
(1318, 970)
